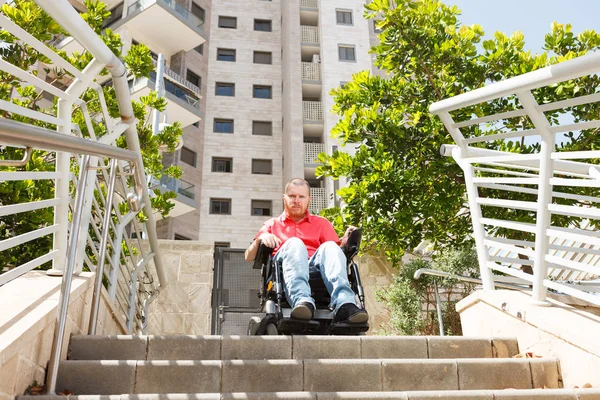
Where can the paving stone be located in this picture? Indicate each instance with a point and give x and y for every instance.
(545, 373)
(378, 347)
(177, 377)
(96, 377)
(120, 347)
(505, 347)
(494, 374)
(320, 347)
(261, 376)
(182, 347)
(256, 347)
(459, 347)
(342, 375)
(406, 375)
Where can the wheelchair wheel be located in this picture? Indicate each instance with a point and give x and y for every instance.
(253, 326)
(272, 330)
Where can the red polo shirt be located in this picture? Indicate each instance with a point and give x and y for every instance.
(313, 230)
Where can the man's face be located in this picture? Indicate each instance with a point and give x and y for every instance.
(296, 200)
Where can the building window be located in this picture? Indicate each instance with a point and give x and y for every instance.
(262, 92)
(262, 167)
(188, 156)
(346, 53)
(221, 164)
(228, 22)
(226, 54)
(262, 128)
(198, 11)
(263, 57)
(220, 206)
(192, 78)
(222, 245)
(224, 89)
(261, 207)
(263, 25)
(344, 17)
(200, 49)
(180, 237)
(223, 125)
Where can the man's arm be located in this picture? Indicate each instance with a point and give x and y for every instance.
(268, 239)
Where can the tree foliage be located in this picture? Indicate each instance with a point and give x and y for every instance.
(27, 15)
(401, 190)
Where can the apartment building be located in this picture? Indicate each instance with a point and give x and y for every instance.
(250, 82)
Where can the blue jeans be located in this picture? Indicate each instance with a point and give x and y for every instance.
(329, 260)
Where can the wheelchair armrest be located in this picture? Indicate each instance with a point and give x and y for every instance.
(262, 256)
(353, 244)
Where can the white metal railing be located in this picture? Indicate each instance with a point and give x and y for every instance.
(178, 79)
(311, 71)
(318, 200)
(312, 111)
(310, 34)
(97, 224)
(563, 254)
(309, 3)
(312, 151)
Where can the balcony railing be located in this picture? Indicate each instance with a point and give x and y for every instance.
(180, 80)
(180, 92)
(318, 200)
(311, 71)
(177, 185)
(312, 151)
(312, 111)
(308, 4)
(310, 34)
(183, 13)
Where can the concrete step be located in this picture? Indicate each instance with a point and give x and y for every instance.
(286, 347)
(535, 394)
(104, 377)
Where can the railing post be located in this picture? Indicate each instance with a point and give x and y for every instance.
(543, 216)
(65, 289)
(478, 231)
(61, 191)
(86, 214)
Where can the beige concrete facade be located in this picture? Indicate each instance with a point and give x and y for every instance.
(553, 330)
(28, 307)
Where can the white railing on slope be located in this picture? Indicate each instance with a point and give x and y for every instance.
(104, 234)
(562, 258)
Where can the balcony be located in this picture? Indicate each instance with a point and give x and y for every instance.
(318, 200)
(311, 79)
(309, 42)
(183, 103)
(163, 25)
(312, 112)
(184, 202)
(312, 4)
(311, 153)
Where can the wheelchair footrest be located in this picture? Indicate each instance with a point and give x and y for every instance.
(348, 329)
(288, 326)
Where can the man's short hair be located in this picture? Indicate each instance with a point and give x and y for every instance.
(296, 182)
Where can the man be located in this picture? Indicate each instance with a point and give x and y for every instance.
(303, 242)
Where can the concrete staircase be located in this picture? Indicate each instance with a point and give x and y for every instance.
(306, 367)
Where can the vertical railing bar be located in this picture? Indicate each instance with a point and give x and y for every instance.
(65, 291)
(103, 245)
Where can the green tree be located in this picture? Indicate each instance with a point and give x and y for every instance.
(34, 20)
(401, 190)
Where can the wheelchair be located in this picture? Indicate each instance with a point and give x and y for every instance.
(278, 320)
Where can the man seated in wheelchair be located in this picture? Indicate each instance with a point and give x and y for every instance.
(303, 243)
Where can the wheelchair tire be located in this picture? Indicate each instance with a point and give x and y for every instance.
(253, 326)
(272, 330)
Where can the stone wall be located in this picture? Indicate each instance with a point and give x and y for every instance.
(28, 307)
(376, 273)
(553, 330)
(184, 306)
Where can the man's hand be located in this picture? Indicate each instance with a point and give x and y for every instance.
(269, 240)
(346, 236)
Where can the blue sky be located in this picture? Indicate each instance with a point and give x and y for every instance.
(532, 17)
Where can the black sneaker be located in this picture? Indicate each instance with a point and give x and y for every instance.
(303, 310)
(350, 313)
